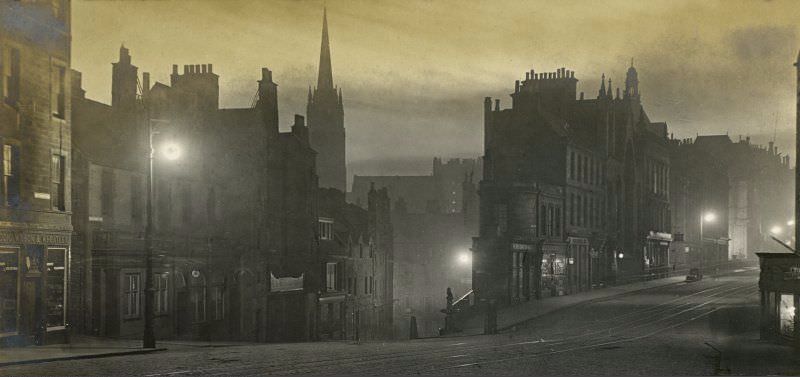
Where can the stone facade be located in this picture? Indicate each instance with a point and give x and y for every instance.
(35, 204)
(574, 191)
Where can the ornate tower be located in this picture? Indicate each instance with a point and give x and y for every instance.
(325, 114)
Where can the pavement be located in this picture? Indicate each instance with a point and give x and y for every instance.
(508, 317)
(86, 347)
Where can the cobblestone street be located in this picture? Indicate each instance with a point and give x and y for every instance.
(658, 331)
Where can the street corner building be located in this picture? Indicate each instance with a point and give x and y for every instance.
(35, 154)
(575, 190)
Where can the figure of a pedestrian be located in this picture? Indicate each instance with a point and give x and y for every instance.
(449, 300)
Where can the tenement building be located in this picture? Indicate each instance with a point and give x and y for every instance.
(234, 238)
(357, 300)
(35, 205)
(574, 192)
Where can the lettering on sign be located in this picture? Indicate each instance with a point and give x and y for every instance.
(34, 238)
(521, 246)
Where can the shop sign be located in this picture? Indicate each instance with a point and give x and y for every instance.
(659, 236)
(285, 284)
(577, 241)
(34, 238)
(521, 246)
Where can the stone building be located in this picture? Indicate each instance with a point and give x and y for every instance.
(358, 297)
(325, 113)
(35, 197)
(574, 190)
(223, 268)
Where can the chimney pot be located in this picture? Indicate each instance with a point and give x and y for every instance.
(209, 68)
(174, 69)
(185, 69)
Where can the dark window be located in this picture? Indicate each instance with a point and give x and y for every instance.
(558, 222)
(58, 88)
(136, 198)
(580, 168)
(11, 173)
(57, 182)
(13, 79)
(543, 220)
(580, 211)
(107, 193)
(365, 285)
(572, 165)
(131, 291)
(571, 209)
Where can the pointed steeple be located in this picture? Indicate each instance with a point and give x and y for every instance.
(325, 79)
(609, 93)
(602, 92)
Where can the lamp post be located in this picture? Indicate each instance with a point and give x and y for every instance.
(704, 217)
(171, 152)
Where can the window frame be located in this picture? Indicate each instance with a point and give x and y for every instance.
(325, 228)
(132, 291)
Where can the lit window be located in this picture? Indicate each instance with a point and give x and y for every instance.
(11, 174)
(57, 182)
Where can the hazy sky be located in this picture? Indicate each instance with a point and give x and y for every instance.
(414, 73)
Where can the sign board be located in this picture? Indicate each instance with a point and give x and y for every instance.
(285, 284)
(577, 240)
(521, 246)
(659, 236)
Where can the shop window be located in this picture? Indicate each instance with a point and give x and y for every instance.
(325, 229)
(161, 291)
(9, 271)
(56, 287)
(218, 301)
(132, 295)
(787, 314)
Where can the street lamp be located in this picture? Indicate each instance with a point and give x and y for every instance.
(776, 230)
(464, 258)
(171, 151)
(790, 223)
(707, 217)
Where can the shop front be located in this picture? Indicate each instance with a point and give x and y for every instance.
(555, 277)
(33, 287)
(779, 285)
(656, 254)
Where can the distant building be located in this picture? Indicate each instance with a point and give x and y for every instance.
(574, 191)
(36, 302)
(738, 190)
(358, 297)
(439, 192)
(326, 121)
(434, 217)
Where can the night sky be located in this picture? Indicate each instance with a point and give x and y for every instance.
(414, 73)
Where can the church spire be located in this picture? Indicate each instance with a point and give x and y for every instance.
(325, 80)
(602, 86)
